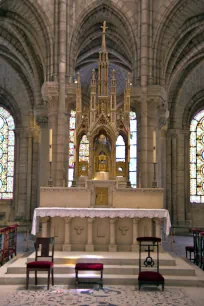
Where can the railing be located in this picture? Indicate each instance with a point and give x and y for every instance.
(185, 227)
(8, 242)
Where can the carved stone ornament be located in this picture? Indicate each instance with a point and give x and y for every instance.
(78, 229)
(123, 230)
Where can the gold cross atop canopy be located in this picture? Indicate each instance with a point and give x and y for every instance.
(104, 27)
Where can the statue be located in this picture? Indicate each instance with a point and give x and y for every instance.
(102, 161)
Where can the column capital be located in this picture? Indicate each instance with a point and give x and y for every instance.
(90, 220)
(45, 219)
(157, 221)
(67, 220)
(112, 220)
(136, 220)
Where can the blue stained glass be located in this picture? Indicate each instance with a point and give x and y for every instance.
(133, 149)
(1, 138)
(84, 149)
(197, 158)
(72, 125)
(7, 144)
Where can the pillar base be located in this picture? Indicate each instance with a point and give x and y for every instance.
(112, 248)
(134, 248)
(89, 248)
(66, 247)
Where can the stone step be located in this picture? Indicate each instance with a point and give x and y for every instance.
(181, 272)
(108, 269)
(109, 279)
(107, 258)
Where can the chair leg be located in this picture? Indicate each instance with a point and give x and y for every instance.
(52, 277)
(36, 278)
(48, 280)
(27, 278)
(76, 280)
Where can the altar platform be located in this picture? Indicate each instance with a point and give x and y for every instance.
(120, 268)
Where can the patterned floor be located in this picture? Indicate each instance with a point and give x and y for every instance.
(108, 296)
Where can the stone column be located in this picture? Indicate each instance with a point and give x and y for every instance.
(135, 231)
(67, 246)
(144, 83)
(44, 221)
(29, 174)
(61, 100)
(89, 245)
(157, 227)
(112, 246)
(158, 232)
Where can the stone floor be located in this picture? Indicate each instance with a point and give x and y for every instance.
(110, 295)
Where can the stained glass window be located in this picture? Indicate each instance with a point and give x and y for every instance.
(133, 150)
(7, 145)
(72, 124)
(197, 158)
(84, 149)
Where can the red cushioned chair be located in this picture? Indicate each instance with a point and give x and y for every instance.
(42, 250)
(89, 267)
(190, 250)
(149, 277)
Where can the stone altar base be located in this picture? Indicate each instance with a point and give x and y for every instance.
(119, 269)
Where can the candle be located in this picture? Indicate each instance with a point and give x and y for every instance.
(50, 138)
(50, 146)
(154, 148)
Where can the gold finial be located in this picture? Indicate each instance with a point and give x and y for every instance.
(93, 74)
(104, 27)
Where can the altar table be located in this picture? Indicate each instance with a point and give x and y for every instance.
(102, 213)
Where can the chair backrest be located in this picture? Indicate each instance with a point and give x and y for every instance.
(149, 242)
(196, 238)
(43, 247)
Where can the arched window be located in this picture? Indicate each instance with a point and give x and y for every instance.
(133, 150)
(84, 149)
(120, 149)
(197, 158)
(7, 146)
(72, 125)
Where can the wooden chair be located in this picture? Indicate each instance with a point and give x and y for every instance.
(150, 276)
(202, 249)
(196, 244)
(12, 240)
(42, 249)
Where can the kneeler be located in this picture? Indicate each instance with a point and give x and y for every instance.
(149, 276)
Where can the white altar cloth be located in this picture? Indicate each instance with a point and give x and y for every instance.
(101, 213)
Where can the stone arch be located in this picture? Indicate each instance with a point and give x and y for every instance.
(8, 101)
(92, 9)
(195, 104)
(29, 26)
(170, 40)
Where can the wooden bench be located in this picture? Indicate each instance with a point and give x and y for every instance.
(89, 267)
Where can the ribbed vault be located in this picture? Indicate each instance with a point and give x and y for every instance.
(25, 43)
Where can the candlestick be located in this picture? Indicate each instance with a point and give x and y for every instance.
(50, 146)
(154, 183)
(50, 182)
(154, 148)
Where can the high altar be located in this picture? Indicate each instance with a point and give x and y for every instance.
(101, 181)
